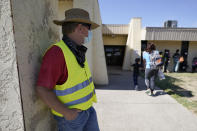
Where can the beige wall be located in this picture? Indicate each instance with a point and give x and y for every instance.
(95, 53)
(143, 34)
(99, 76)
(171, 45)
(34, 32)
(11, 115)
(192, 52)
(114, 39)
(62, 6)
(133, 45)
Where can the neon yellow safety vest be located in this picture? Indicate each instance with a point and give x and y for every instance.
(78, 91)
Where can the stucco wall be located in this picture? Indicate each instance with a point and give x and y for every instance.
(192, 52)
(171, 45)
(114, 40)
(11, 116)
(34, 32)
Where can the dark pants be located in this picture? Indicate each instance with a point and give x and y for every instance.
(135, 79)
(193, 68)
(150, 75)
(165, 66)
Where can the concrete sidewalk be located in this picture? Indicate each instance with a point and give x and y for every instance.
(121, 108)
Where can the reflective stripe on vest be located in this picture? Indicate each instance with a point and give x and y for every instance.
(73, 89)
(82, 100)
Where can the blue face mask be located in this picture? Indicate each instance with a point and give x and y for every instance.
(89, 38)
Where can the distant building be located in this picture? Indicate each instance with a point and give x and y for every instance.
(115, 37)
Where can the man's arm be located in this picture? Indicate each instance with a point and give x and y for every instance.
(50, 99)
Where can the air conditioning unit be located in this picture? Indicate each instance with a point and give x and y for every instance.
(170, 24)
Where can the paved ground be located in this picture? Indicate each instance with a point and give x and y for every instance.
(121, 108)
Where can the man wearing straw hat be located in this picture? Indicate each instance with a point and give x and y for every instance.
(65, 82)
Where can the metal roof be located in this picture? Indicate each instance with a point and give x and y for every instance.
(109, 29)
(162, 33)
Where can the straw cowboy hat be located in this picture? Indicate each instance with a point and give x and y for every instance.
(77, 15)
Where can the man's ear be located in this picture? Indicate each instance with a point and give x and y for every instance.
(78, 28)
(81, 29)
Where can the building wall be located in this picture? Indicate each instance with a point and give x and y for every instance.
(11, 115)
(99, 62)
(133, 45)
(62, 7)
(143, 34)
(192, 52)
(171, 45)
(95, 54)
(34, 32)
(114, 39)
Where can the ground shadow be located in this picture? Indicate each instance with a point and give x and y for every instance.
(118, 80)
(123, 80)
(168, 86)
(159, 92)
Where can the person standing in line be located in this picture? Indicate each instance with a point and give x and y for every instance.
(150, 73)
(161, 75)
(136, 68)
(176, 57)
(162, 60)
(65, 82)
(166, 59)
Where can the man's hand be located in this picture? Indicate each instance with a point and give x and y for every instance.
(72, 114)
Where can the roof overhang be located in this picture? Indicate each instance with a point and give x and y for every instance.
(177, 34)
(115, 29)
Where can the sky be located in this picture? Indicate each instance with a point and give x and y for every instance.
(153, 12)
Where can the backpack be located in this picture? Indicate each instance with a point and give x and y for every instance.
(155, 60)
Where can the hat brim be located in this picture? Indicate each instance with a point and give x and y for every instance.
(60, 22)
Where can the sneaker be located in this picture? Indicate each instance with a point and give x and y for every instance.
(136, 87)
(148, 92)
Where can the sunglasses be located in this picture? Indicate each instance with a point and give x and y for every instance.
(87, 25)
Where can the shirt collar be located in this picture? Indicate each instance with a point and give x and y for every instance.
(78, 50)
(73, 44)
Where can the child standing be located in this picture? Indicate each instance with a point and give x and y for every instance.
(136, 67)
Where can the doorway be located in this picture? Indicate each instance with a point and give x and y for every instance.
(184, 53)
(114, 55)
(143, 48)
